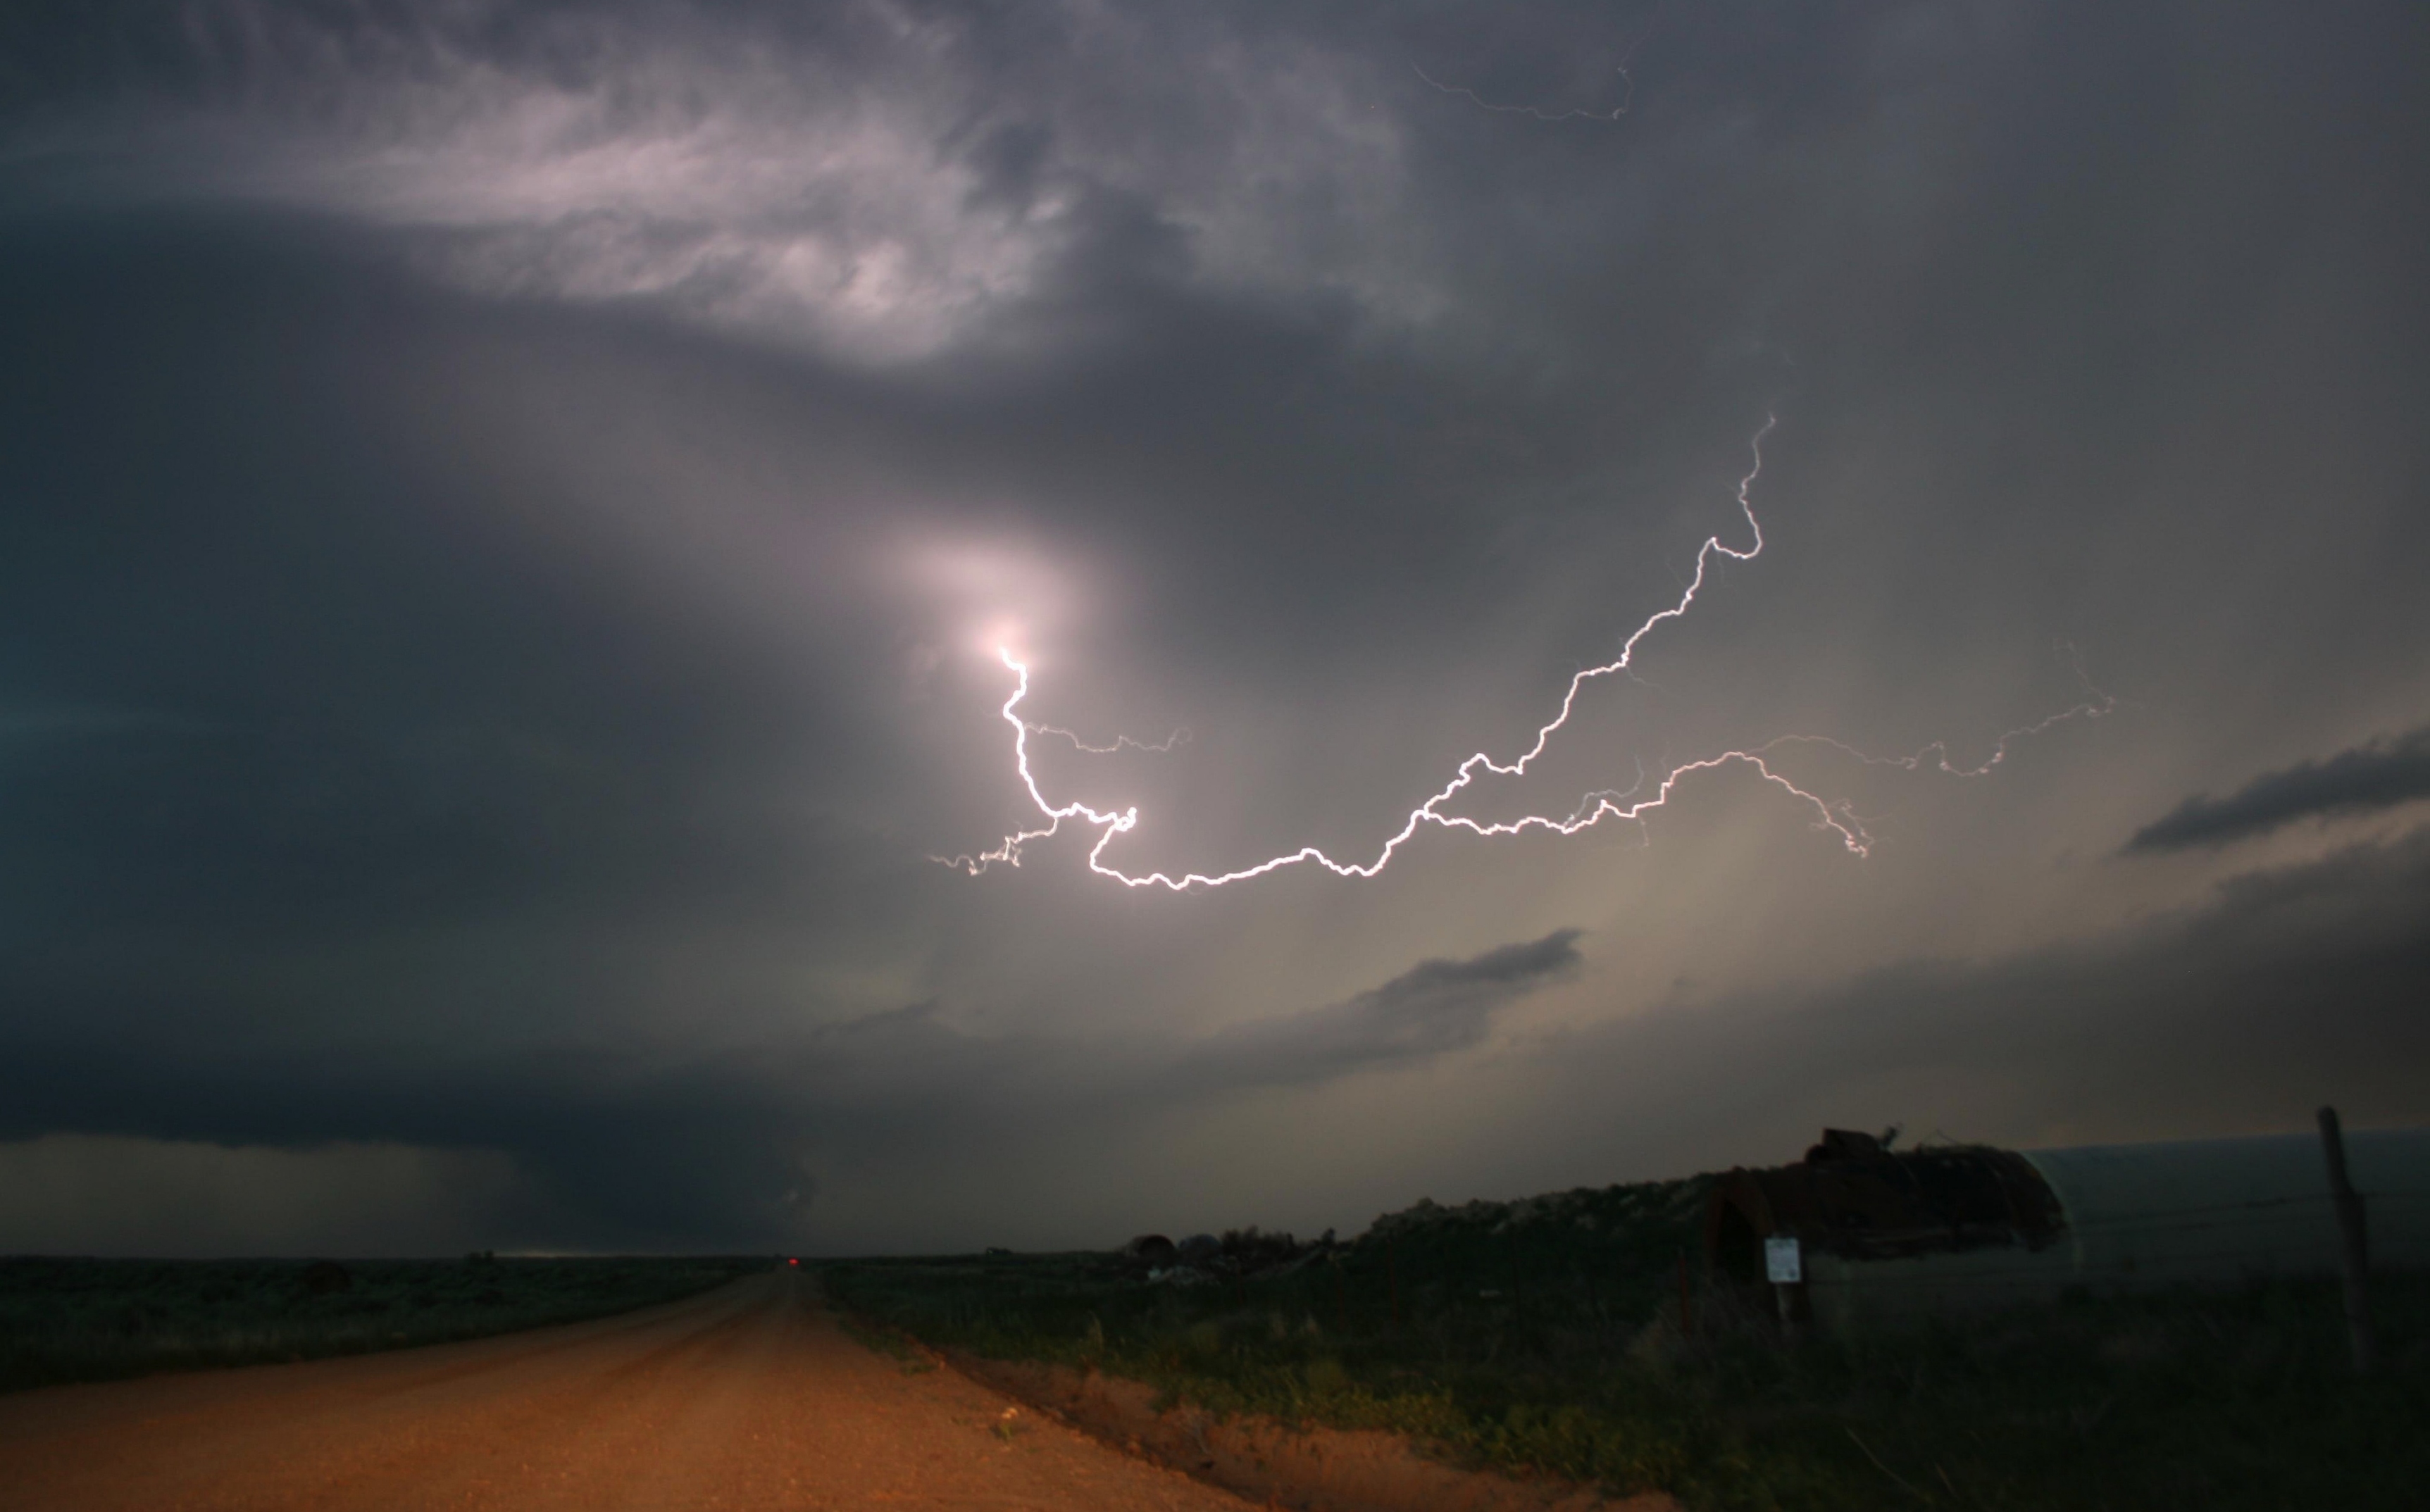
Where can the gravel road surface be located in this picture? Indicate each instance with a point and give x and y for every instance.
(747, 1397)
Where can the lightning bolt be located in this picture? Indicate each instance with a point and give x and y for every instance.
(1627, 56)
(1122, 743)
(2097, 704)
(1837, 819)
(1532, 111)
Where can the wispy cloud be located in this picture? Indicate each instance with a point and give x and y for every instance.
(2381, 774)
(876, 179)
(1433, 1009)
(918, 1056)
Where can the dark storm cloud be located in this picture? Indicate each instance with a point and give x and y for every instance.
(615, 1150)
(452, 680)
(2382, 774)
(674, 1147)
(316, 825)
(2290, 985)
(287, 655)
(619, 1138)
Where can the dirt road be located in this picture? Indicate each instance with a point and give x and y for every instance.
(749, 1397)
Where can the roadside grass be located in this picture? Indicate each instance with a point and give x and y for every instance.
(1545, 1336)
(66, 1320)
(891, 1342)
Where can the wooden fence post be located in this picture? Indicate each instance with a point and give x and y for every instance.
(2355, 1243)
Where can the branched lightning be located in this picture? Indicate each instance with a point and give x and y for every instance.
(1837, 818)
(1538, 112)
(1122, 743)
(2096, 704)
(1627, 56)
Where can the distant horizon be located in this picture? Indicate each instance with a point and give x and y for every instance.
(1342, 1232)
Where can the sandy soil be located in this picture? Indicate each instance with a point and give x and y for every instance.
(749, 1397)
(1284, 1465)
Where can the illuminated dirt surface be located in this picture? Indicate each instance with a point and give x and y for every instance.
(749, 1396)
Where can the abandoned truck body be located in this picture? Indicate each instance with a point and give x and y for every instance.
(1884, 1237)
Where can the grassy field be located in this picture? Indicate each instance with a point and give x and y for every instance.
(1545, 1334)
(82, 1320)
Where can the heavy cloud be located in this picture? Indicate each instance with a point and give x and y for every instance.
(2290, 987)
(598, 1141)
(509, 509)
(2384, 774)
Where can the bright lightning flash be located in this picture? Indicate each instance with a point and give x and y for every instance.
(1837, 818)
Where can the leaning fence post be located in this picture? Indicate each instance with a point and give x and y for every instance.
(2354, 1242)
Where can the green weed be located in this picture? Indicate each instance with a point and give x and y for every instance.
(1547, 1336)
(88, 1320)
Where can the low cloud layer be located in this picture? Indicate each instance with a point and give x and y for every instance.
(2382, 774)
(594, 1146)
(2286, 988)
(83, 1194)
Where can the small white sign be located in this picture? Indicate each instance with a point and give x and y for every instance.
(1782, 1264)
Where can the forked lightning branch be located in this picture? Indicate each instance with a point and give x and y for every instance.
(1835, 817)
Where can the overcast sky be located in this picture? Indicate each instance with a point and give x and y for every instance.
(508, 512)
